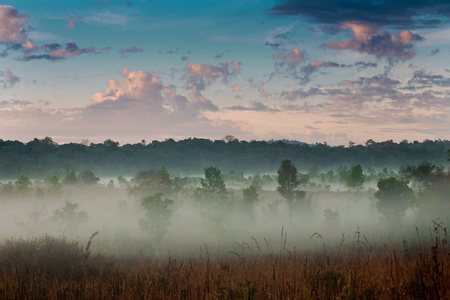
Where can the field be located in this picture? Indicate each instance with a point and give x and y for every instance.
(160, 236)
(54, 268)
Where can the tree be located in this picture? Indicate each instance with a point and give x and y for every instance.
(356, 178)
(151, 182)
(23, 185)
(250, 195)
(288, 184)
(394, 198)
(70, 216)
(70, 177)
(213, 186)
(212, 195)
(157, 218)
(54, 187)
(423, 175)
(88, 177)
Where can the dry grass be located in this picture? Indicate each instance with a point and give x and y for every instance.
(52, 268)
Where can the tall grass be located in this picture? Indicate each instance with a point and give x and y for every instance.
(54, 268)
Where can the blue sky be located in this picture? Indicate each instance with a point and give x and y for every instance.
(316, 71)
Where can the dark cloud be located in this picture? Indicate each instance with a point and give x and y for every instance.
(301, 93)
(369, 39)
(255, 106)
(125, 51)
(56, 52)
(434, 52)
(314, 66)
(219, 56)
(329, 29)
(280, 37)
(421, 79)
(360, 65)
(393, 12)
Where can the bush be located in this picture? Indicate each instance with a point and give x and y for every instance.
(45, 254)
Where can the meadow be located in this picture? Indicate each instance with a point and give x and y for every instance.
(226, 236)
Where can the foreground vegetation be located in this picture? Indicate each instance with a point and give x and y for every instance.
(54, 268)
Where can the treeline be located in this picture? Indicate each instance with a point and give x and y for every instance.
(45, 157)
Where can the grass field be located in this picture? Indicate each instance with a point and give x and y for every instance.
(48, 267)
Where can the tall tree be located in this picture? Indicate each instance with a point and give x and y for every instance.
(289, 184)
(356, 178)
(157, 218)
(394, 198)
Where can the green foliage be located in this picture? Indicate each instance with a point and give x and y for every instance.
(44, 157)
(288, 181)
(250, 195)
(54, 187)
(70, 216)
(151, 181)
(70, 177)
(423, 175)
(394, 198)
(88, 177)
(289, 184)
(157, 217)
(212, 187)
(356, 178)
(23, 185)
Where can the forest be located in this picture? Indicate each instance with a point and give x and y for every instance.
(253, 220)
(190, 156)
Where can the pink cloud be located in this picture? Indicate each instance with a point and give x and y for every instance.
(367, 38)
(71, 22)
(199, 76)
(136, 85)
(14, 26)
(9, 78)
(290, 59)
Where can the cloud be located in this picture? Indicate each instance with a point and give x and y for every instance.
(366, 89)
(434, 52)
(199, 76)
(394, 12)
(314, 66)
(134, 86)
(9, 79)
(55, 51)
(106, 18)
(360, 65)
(134, 49)
(367, 38)
(288, 60)
(71, 22)
(301, 93)
(421, 79)
(236, 88)
(280, 37)
(254, 106)
(14, 26)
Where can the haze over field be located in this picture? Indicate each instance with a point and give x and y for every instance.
(314, 71)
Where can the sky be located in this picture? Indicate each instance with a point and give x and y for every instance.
(316, 71)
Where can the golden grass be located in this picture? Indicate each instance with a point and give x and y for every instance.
(415, 269)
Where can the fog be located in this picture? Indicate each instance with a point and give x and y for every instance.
(328, 214)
